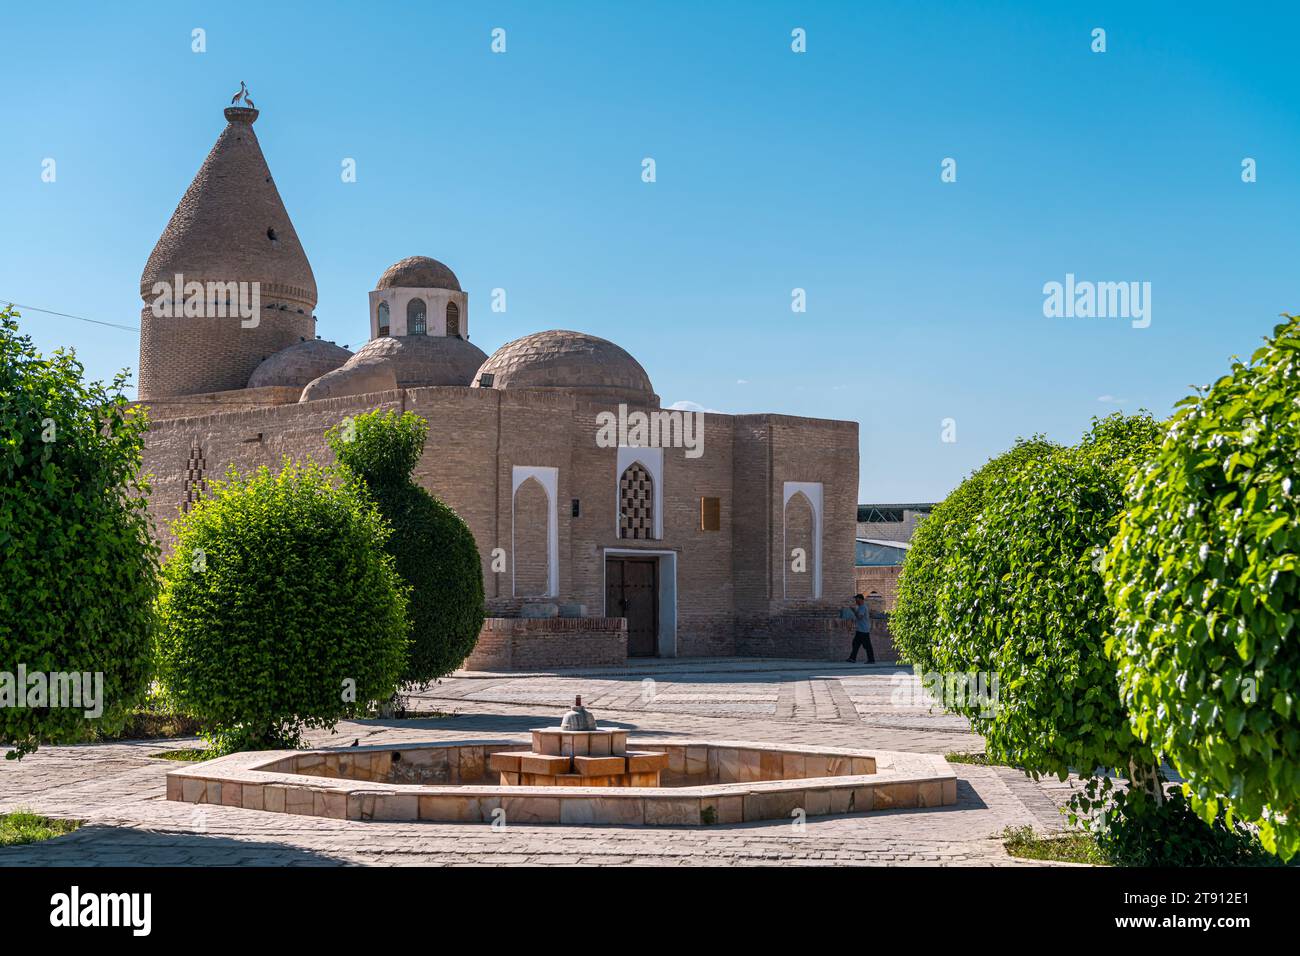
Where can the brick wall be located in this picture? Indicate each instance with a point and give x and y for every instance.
(799, 528)
(531, 526)
(477, 436)
(211, 403)
(796, 636)
(880, 580)
(521, 644)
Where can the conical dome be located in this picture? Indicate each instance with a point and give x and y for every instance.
(230, 227)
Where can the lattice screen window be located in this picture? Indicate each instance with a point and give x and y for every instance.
(453, 319)
(194, 485)
(636, 497)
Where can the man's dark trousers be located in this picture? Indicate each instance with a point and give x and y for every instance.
(863, 639)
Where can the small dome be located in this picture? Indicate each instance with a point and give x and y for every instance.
(420, 360)
(351, 379)
(418, 272)
(299, 364)
(580, 363)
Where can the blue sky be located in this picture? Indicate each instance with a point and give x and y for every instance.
(775, 170)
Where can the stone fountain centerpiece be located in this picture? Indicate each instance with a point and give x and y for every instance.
(578, 754)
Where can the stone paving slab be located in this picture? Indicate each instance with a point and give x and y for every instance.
(119, 790)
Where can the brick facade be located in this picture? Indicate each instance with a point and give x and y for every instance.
(721, 591)
(727, 582)
(882, 580)
(523, 644)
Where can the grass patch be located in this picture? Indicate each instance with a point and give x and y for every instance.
(979, 759)
(1077, 847)
(194, 754)
(23, 826)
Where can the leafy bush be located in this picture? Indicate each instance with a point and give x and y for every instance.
(280, 609)
(1019, 597)
(914, 624)
(79, 571)
(1203, 580)
(434, 550)
(1140, 832)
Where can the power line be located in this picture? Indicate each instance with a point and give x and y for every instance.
(79, 318)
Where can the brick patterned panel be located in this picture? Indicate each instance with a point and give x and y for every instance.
(636, 503)
(194, 485)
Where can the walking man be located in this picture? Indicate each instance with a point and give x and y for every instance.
(862, 614)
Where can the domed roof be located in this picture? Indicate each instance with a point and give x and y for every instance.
(420, 360)
(581, 363)
(418, 272)
(299, 364)
(351, 379)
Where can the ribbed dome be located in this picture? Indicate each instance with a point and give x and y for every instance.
(581, 363)
(299, 364)
(420, 360)
(418, 272)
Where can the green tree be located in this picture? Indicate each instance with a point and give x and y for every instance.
(914, 623)
(78, 567)
(434, 549)
(280, 609)
(1202, 577)
(1020, 596)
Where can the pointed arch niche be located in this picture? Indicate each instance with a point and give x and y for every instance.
(797, 523)
(651, 461)
(534, 532)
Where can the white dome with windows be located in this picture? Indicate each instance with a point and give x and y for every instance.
(419, 296)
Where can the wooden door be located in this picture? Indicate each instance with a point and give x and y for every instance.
(632, 591)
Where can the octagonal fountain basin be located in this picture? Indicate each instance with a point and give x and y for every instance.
(699, 782)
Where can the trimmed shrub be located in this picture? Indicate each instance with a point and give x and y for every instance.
(1141, 832)
(914, 623)
(280, 608)
(79, 570)
(1203, 580)
(434, 550)
(1020, 597)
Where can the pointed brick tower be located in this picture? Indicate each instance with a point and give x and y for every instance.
(230, 227)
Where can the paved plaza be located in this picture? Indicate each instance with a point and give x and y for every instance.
(118, 789)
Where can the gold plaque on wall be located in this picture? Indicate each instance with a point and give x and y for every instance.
(710, 514)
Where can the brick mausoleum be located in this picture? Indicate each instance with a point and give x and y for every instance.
(591, 553)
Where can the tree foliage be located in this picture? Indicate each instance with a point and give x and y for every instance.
(433, 548)
(1203, 580)
(280, 608)
(1020, 597)
(78, 567)
(914, 623)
